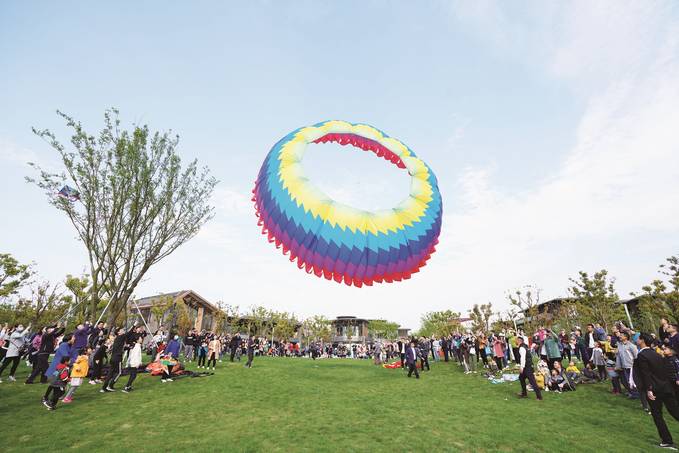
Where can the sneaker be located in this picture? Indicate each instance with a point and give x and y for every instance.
(12, 379)
(67, 400)
(126, 390)
(93, 382)
(0, 381)
(667, 446)
(51, 408)
(102, 391)
(110, 389)
(168, 380)
(45, 403)
(521, 395)
(163, 380)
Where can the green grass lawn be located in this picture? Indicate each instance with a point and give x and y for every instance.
(325, 405)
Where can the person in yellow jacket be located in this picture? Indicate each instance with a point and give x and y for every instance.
(79, 372)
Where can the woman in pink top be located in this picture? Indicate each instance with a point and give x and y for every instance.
(499, 346)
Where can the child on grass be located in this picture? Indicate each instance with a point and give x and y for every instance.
(572, 372)
(57, 384)
(79, 372)
(599, 361)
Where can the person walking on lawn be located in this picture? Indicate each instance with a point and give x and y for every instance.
(411, 360)
(526, 370)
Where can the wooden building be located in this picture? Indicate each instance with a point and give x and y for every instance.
(201, 312)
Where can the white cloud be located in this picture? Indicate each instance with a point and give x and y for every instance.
(230, 201)
(16, 155)
(618, 181)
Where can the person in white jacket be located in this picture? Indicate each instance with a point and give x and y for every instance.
(133, 363)
(17, 340)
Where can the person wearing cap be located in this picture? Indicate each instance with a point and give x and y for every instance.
(526, 370)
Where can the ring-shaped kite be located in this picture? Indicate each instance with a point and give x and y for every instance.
(334, 240)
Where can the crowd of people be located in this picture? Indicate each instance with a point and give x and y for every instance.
(101, 356)
(641, 366)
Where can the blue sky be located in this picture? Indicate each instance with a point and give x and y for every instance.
(551, 128)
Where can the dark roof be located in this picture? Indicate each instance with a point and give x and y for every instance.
(150, 300)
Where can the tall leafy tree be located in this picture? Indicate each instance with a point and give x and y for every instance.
(481, 315)
(79, 289)
(527, 300)
(660, 298)
(439, 323)
(135, 203)
(383, 329)
(595, 298)
(317, 328)
(13, 275)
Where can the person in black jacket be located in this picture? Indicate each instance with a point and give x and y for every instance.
(233, 345)
(115, 364)
(445, 344)
(189, 342)
(41, 360)
(97, 335)
(526, 370)
(651, 378)
(251, 345)
(424, 346)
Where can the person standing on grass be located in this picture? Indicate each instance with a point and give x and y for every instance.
(672, 336)
(17, 340)
(599, 361)
(79, 372)
(526, 370)
(63, 352)
(133, 364)
(202, 351)
(98, 358)
(377, 353)
(424, 353)
(445, 344)
(662, 330)
(499, 351)
(251, 351)
(411, 360)
(402, 351)
(234, 344)
(189, 342)
(57, 383)
(173, 347)
(41, 359)
(115, 364)
(212, 350)
(436, 348)
(652, 379)
(97, 335)
(81, 334)
(624, 359)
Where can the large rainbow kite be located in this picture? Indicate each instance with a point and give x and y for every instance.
(337, 241)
